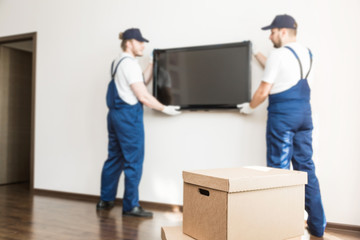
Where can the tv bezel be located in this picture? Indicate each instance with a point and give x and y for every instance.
(205, 47)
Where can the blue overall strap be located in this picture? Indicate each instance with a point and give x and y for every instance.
(297, 57)
(311, 59)
(112, 94)
(112, 67)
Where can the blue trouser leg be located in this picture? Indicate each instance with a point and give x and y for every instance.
(112, 167)
(285, 144)
(302, 160)
(132, 181)
(279, 143)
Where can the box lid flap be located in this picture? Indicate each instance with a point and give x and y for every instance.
(244, 178)
(174, 233)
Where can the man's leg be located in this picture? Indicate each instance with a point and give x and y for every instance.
(133, 149)
(302, 161)
(130, 135)
(112, 167)
(133, 173)
(279, 142)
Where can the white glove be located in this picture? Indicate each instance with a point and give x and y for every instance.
(245, 108)
(171, 110)
(151, 57)
(254, 48)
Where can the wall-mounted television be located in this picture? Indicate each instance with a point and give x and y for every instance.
(203, 77)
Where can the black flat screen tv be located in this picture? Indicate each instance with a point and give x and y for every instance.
(203, 77)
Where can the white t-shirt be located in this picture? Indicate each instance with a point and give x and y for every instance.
(128, 72)
(282, 69)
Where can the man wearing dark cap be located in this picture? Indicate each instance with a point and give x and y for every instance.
(125, 97)
(289, 124)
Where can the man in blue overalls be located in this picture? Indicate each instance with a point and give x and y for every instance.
(289, 124)
(126, 94)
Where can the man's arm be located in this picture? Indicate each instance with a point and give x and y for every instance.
(261, 59)
(145, 97)
(261, 94)
(148, 73)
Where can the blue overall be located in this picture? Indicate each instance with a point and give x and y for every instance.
(289, 139)
(125, 149)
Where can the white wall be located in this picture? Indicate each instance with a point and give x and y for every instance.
(78, 39)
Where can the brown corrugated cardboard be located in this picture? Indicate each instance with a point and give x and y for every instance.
(244, 203)
(174, 233)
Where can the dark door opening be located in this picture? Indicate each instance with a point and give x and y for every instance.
(17, 103)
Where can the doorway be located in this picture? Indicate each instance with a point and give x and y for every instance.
(17, 108)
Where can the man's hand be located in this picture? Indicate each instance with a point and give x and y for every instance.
(151, 56)
(254, 49)
(171, 110)
(261, 59)
(245, 108)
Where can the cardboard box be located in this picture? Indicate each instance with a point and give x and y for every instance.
(244, 203)
(174, 233)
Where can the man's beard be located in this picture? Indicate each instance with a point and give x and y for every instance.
(277, 44)
(138, 53)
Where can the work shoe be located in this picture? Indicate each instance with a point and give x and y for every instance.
(138, 212)
(104, 205)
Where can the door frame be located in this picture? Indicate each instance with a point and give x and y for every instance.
(19, 38)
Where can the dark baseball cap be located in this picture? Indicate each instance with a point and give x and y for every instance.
(282, 21)
(134, 33)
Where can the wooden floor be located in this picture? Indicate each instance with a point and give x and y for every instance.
(24, 216)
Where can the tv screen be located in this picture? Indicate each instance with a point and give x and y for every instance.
(203, 77)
